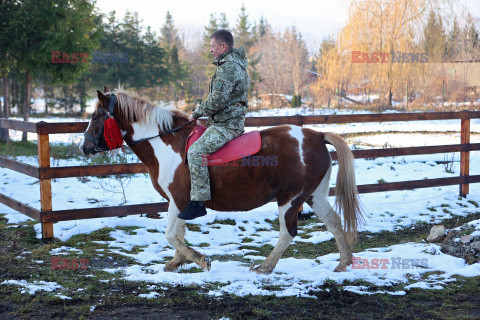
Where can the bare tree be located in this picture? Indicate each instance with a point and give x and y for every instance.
(284, 59)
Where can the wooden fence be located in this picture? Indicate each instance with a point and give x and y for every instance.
(44, 172)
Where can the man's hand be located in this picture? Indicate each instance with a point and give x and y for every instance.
(190, 118)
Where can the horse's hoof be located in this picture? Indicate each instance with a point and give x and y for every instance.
(207, 263)
(260, 269)
(169, 269)
(340, 268)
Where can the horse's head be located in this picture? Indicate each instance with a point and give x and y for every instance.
(94, 140)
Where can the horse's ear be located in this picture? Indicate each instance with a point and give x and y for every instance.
(103, 99)
(105, 89)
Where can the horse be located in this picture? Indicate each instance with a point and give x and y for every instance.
(158, 135)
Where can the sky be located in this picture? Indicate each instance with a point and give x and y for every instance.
(315, 19)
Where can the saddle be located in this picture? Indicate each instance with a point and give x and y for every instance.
(246, 145)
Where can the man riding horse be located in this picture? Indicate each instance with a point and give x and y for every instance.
(225, 108)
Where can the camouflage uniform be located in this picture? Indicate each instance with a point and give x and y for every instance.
(225, 108)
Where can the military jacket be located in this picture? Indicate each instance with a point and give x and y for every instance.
(227, 100)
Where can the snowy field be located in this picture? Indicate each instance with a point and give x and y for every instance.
(254, 229)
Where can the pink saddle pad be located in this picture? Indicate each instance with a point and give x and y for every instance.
(247, 144)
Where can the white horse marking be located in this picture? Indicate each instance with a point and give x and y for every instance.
(168, 159)
(296, 132)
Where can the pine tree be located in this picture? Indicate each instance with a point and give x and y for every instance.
(222, 21)
(473, 36)
(169, 33)
(142, 62)
(263, 27)
(453, 43)
(210, 28)
(207, 58)
(434, 39)
(33, 26)
(244, 35)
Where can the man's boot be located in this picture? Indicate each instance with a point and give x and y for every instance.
(194, 210)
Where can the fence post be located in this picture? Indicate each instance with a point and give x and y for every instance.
(45, 185)
(464, 156)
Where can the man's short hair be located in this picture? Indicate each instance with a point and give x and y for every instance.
(223, 36)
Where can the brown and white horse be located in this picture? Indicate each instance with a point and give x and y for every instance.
(301, 174)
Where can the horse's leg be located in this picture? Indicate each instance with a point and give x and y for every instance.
(179, 259)
(175, 236)
(288, 224)
(327, 214)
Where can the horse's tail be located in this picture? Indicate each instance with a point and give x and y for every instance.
(346, 192)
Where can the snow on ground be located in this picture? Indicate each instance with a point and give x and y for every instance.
(292, 276)
(32, 288)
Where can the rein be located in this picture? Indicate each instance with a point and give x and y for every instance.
(161, 134)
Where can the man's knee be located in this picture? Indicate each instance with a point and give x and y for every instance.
(195, 151)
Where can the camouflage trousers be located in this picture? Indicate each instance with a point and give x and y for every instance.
(212, 139)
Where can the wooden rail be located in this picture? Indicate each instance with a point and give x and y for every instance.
(47, 216)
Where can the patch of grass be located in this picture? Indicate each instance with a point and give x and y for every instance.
(102, 234)
(381, 180)
(191, 270)
(193, 227)
(230, 257)
(275, 224)
(128, 229)
(224, 221)
(261, 250)
(247, 240)
(136, 249)
(204, 244)
(473, 203)
(304, 235)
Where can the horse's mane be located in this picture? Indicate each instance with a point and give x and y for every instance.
(143, 111)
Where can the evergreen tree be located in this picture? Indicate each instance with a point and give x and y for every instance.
(244, 35)
(263, 27)
(434, 38)
(453, 44)
(168, 31)
(473, 36)
(131, 55)
(222, 21)
(35, 28)
(210, 28)
(207, 57)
